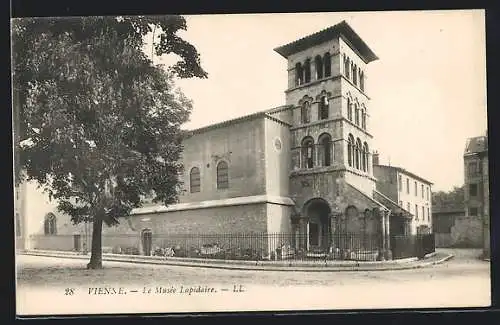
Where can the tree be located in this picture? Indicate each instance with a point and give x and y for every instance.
(452, 200)
(98, 123)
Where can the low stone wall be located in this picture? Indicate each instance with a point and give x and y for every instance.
(54, 242)
(466, 232)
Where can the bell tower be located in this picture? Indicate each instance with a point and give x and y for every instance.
(326, 93)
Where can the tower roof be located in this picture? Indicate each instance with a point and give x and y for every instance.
(476, 145)
(325, 35)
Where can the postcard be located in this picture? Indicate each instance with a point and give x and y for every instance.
(250, 162)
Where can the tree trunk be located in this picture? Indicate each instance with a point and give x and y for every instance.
(96, 252)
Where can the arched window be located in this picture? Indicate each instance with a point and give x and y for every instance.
(350, 150)
(363, 118)
(366, 152)
(222, 175)
(305, 112)
(307, 71)
(358, 153)
(325, 145)
(351, 212)
(356, 114)
(327, 63)
(349, 109)
(299, 72)
(318, 63)
(361, 80)
(307, 152)
(347, 67)
(323, 108)
(194, 180)
(50, 224)
(354, 74)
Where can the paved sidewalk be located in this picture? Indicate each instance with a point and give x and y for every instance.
(312, 266)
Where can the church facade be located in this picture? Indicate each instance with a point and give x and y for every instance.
(304, 168)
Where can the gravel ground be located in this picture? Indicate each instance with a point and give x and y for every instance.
(462, 281)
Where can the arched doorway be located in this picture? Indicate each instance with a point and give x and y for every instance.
(317, 212)
(147, 241)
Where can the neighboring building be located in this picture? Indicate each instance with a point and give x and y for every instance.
(477, 187)
(304, 168)
(412, 192)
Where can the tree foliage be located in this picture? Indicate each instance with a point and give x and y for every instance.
(98, 122)
(452, 200)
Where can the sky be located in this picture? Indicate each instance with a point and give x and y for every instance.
(427, 90)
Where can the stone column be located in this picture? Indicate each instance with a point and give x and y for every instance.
(388, 253)
(383, 232)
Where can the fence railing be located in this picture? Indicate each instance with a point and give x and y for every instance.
(249, 246)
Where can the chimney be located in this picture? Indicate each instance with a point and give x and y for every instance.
(375, 158)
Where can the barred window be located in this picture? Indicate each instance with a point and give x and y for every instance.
(194, 180)
(222, 175)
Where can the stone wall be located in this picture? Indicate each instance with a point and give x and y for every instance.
(241, 145)
(465, 231)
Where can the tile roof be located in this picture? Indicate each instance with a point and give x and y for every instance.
(476, 145)
(325, 35)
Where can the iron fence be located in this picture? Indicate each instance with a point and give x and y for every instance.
(252, 246)
(266, 246)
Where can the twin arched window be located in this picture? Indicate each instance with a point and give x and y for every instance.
(325, 151)
(357, 154)
(323, 109)
(50, 224)
(194, 180)
(222, 175)
(323, 66)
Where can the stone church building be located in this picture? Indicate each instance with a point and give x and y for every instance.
(304, 168)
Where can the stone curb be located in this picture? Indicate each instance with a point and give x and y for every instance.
(284, 263)
(318, 267)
